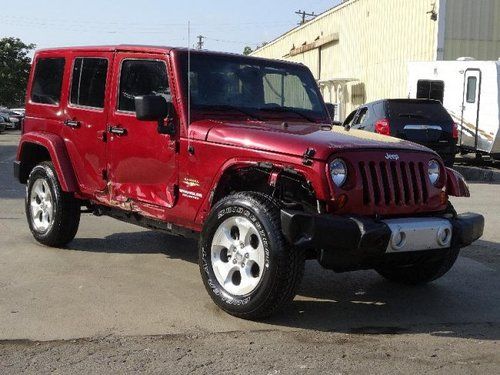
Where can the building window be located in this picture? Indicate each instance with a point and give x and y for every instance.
(471, 89)
(430, 90)
(89, 82)
(47, 83)
(142, 77)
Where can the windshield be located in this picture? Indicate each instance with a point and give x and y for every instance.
(259, 89)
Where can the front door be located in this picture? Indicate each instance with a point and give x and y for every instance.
(470, 109)
(142, 165)
(86, 117)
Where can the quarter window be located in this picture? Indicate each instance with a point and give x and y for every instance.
(89, 82)
(46, 88)
(471, 89)
(142, 77)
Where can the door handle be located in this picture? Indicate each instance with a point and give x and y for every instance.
(72, 123)
(118, 130)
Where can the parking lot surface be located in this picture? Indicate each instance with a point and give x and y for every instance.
(121, 298)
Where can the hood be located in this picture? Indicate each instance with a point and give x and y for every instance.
(295, 138)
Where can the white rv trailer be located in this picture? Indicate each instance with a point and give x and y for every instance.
(470, 91)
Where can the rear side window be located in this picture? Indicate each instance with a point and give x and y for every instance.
(88, 82)
(471, 89)
(142, 77)
(46, 88)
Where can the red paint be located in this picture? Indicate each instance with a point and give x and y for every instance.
(157, 176)
(54, 144)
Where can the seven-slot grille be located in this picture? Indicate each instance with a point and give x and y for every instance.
(393, 183)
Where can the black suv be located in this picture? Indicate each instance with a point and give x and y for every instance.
(422, 121)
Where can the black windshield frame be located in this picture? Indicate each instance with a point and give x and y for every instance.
(213, 64)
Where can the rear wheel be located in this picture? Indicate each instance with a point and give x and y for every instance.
(53, 215)
(426, 270)
(247, 267)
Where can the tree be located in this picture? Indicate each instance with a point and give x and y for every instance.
(247, 51)
(15, 67)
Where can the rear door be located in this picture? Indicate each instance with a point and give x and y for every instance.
(141, 162)
(86, 117)
(470, 108)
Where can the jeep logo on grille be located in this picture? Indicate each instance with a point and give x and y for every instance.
(392, 156)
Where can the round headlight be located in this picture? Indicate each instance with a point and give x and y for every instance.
(434, 171)
(338, 171)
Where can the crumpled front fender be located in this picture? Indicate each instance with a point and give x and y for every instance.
(455, 184)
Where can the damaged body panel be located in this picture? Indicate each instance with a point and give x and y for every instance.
(239, 152)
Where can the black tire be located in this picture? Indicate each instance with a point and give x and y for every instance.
(66, 209)
(284, 268)
(424, 271)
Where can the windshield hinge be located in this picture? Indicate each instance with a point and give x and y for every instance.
(308, 155)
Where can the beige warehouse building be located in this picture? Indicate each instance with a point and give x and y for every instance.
(359, 50)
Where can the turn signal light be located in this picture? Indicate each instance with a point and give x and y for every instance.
(383, 127)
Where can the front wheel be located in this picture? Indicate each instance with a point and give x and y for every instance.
(53, 215)
(247, 266)
(426, 270)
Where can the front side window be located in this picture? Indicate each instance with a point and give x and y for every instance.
(349, 119)
(88, 82)
(46, 88)
(471, 89)
(142, 77)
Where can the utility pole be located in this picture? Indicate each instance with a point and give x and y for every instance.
(199, 44)
(304, 14)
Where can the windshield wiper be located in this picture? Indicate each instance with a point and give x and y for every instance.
(287, 109)
(227, 107)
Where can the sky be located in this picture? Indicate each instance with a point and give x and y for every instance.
(227, 25)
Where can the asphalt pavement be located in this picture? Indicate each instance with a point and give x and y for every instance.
(124, 299)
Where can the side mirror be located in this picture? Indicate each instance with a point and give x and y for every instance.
(331, 110)
(155, 108)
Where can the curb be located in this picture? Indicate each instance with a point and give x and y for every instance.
(476, 174)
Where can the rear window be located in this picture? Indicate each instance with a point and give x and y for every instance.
(88, 82)
(46, 88)
(418, 109)
(430, 90)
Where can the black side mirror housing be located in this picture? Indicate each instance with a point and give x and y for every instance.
(331, 110)
(155, 108)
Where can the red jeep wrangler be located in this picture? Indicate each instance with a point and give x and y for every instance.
(240, 149)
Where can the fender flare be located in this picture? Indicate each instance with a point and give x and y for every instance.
(237, 163)
(56, 148)
(456, 185)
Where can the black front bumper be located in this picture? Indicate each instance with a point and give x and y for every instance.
(352, 242)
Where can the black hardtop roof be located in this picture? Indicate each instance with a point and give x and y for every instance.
(151, 49)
